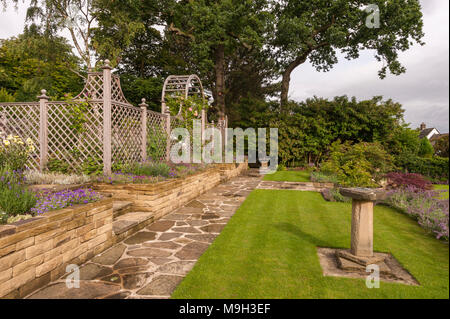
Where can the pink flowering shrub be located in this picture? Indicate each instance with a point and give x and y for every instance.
(430, 211)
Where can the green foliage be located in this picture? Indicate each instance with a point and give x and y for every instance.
(34, 61)
(307, 129)
(425, 148)
(5, 96)
(58, 166)
(317, 30)
(322, 177)
(147, 169)
(336, 195)
(441, 146)
(435, 168)
(16, 200)
(361, 164)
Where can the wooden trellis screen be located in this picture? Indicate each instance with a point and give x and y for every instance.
(98, 127)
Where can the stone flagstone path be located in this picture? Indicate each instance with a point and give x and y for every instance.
(151, 263)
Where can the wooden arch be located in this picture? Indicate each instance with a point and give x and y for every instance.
(184, 85)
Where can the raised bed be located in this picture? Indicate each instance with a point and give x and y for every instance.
(35, 251)
(149, 202)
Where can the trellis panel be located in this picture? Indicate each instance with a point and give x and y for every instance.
(22, 119)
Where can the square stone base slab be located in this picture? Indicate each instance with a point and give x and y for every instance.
(364, 261)
(330, 267)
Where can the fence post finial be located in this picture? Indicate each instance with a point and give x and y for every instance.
(143, 106)
(43, 132)
(107, 106)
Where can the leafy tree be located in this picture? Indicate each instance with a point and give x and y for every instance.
(441, 146)
(75, 16)
(425, 148)
(215, 30)
(34, 61)
(318, 29)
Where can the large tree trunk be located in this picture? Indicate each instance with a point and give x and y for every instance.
(285, 81)
(219, 69)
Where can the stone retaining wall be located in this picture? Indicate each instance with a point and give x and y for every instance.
(36, 251)
(164, 197)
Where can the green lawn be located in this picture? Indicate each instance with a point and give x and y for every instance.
(288, 176)
(268, 250)
(444, 195)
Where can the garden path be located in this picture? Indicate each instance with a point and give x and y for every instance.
(152, 262)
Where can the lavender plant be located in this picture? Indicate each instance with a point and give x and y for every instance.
(51, 201)
(426, 206)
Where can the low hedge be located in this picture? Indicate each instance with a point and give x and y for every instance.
(435, 167)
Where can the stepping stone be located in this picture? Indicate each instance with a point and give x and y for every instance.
(186, 230)
(162, 285)
(206, 238)
(196, 204)
(93, 271)
(181, 224)
(160, 261)
(183, 241)
(134, 281)
(197, 222)
(189, 210)
(119, 295)
(210, 216)
(161, 226)
(149, 252)
(215, 228)
(114, 279)
(130, 262)
(192, 251)
(176, 217)
(137, 269)
(87, 290)
(169, 236)
(177, 268)
(140, 238)
(110, 256)
(163, 245)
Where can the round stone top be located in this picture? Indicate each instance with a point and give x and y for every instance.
(362, 193)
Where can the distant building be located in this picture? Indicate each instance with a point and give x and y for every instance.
(431, 133)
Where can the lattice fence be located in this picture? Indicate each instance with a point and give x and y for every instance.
(157, 137)
(22, 119)
(126, 134)
(98, 129)
(75, 134)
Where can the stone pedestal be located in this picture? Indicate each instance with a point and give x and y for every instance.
(361, 252)
(362, 228)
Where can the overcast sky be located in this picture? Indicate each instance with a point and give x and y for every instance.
(423, 90)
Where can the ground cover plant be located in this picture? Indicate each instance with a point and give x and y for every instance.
(48, 201)
(269, 250)
(150, 172)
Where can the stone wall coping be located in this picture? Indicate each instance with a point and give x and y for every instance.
(168, 184)
(26, 225)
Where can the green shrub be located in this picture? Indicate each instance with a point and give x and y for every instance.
(147, 169)
(16, 200)
(362, 164)
(435, 168)
(58, 166)
(425, 148)
(322, 177)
